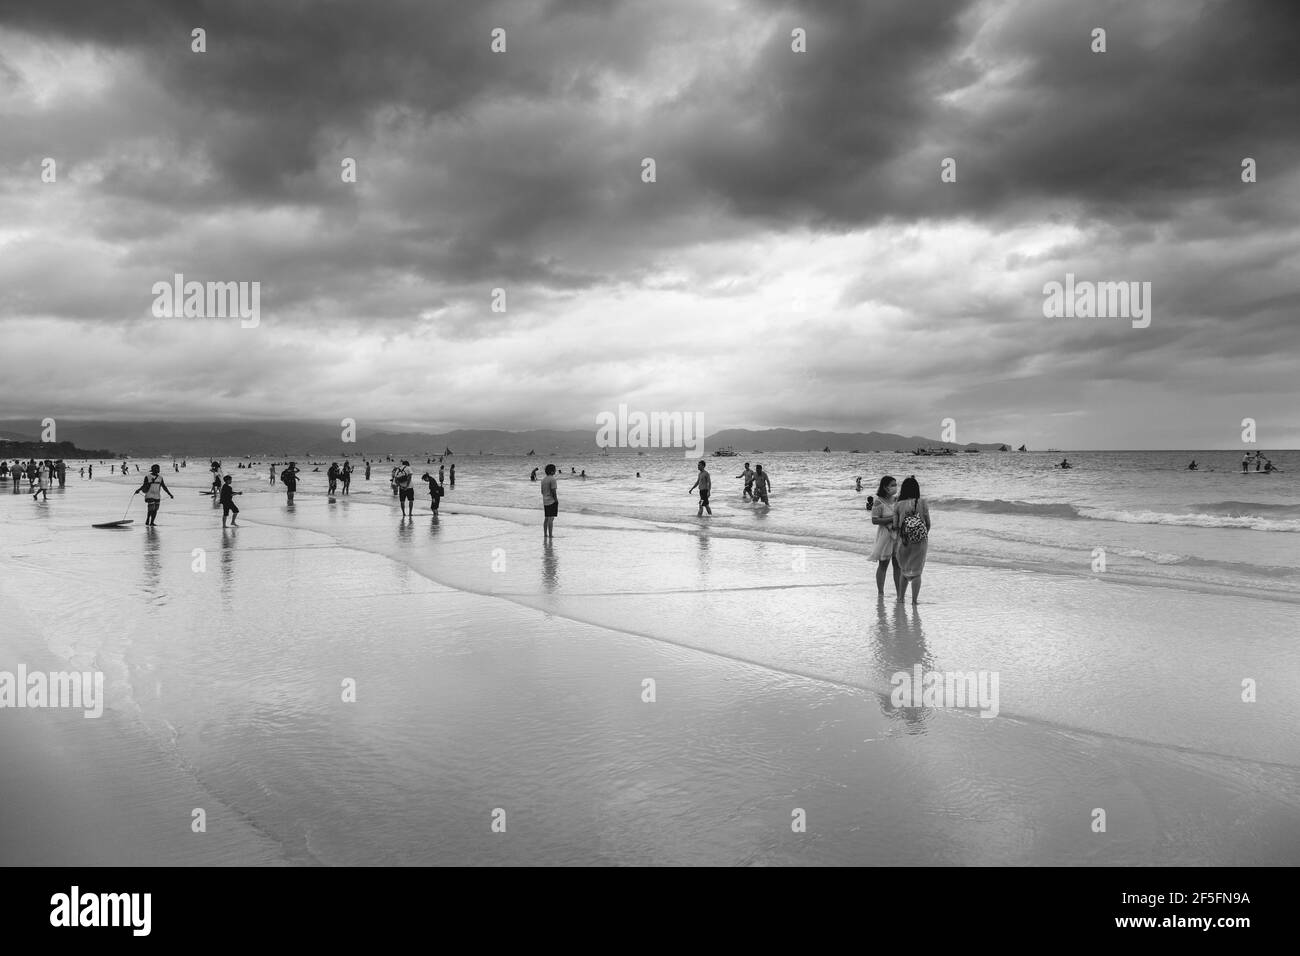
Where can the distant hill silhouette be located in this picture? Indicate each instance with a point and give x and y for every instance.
(262, 439)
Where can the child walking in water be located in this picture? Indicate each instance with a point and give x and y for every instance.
(705, 483)
(228, 506)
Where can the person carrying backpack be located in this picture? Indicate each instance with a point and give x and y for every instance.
(289, 478)
(402, 482)
(912, 524)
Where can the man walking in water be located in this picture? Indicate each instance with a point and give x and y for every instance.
(748, 475)
(762, 484)
(550, 502)
(405, 493)
(153, 487)
(705, 483)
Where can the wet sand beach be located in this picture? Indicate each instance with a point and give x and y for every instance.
(493, 673)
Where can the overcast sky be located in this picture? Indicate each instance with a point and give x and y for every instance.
(798, 262)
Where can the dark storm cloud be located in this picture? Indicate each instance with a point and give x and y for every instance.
(522, 170)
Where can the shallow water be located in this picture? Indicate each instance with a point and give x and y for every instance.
(492, 672)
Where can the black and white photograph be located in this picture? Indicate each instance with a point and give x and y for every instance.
(612, 433)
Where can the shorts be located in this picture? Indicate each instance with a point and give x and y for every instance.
(406, 494)
(704, 499)
(749, 487)
(761, 496)
(229, 510)
(551, 510)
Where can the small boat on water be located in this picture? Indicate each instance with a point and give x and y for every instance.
(933, 452)
(827, 448)
(726, 451)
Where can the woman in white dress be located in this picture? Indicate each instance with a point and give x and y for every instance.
(882, 516)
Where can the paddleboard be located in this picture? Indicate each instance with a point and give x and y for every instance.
(115, 524)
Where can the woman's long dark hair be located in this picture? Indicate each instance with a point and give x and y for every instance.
(911, 489)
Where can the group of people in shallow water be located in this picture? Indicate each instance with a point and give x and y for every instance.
(40, 476)
(900, 514)
(402, 478)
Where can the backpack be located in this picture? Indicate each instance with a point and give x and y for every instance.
(285, 476)
(913, 530)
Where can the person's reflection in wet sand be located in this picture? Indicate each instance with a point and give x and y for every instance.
(153, 566)
(900, 648)
(404, 528)
(228, 540)
(550, 568)
(704, 558)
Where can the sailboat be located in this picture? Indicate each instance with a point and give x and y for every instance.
(531, 453)
(446, 451)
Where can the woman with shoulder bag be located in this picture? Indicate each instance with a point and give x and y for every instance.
(912, 525)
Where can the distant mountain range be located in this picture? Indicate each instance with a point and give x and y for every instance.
(262, 439)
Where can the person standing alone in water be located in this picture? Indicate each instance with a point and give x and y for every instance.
(228, 506)
(550, 502)
(435, 491)
(881, 506)
(153, 487)
(912, 525)
(705, 484)
(289, 478)
(405, 493)
(451, 476)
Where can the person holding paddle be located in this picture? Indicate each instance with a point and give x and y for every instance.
(153, 487)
